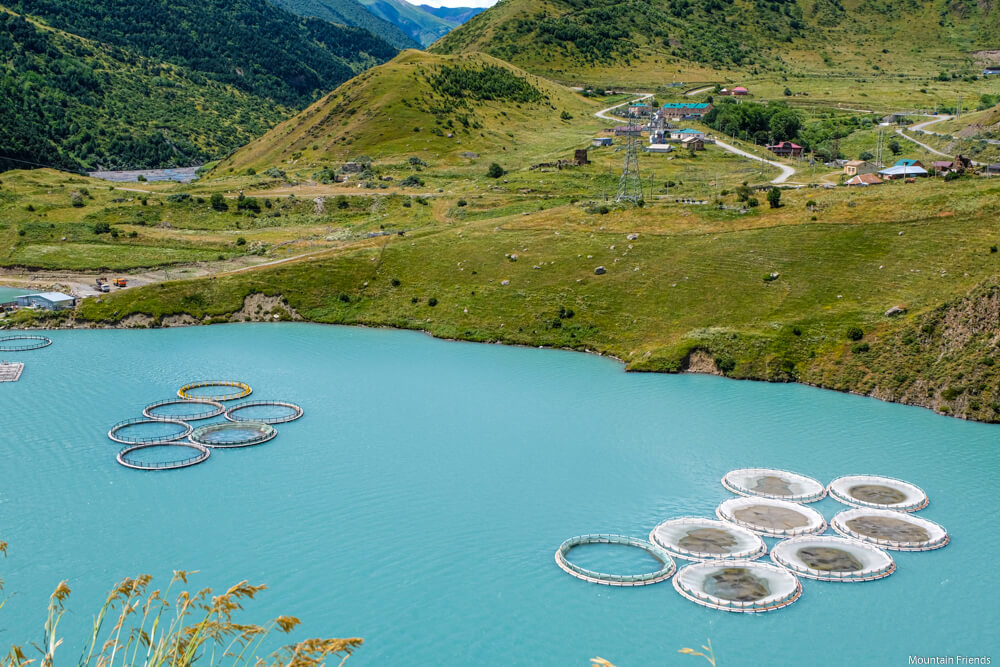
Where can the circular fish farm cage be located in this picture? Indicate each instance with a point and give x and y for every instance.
(126, 458)
(884, 493)
(741, 585)
(230, 435)
(772, 518)
(776, 484)
(156, 410)
(643, 579)
(23, 343)
(890, 530)
(832, 558)
(118, 432)
(698, 539)
(238, 390)
(281, 412)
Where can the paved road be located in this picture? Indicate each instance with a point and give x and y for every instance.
(919, 127)
(603, 113)
(699, 90)
(786, 171)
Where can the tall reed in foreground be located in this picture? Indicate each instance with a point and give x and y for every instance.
(137, 627)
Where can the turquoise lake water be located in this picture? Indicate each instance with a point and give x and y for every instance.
(419, 502)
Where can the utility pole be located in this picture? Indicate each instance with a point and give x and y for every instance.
(630, 185)
(958, 109)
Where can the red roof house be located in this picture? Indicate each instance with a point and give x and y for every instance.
(786, 149)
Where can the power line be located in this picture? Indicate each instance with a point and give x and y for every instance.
(39, 164)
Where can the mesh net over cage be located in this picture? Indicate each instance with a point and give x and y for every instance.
(832, 558)
(23, 343)
(695, 538)
(772, 518)
(215, 390)
(777, 484)
(166, 456)
(641, 579)
(146, 431)
(739, 586)
(184, 409)
(878, 493)
(265, 412)
(233, 434)
(890, 529)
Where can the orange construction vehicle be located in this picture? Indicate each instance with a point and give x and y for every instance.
(121, 282)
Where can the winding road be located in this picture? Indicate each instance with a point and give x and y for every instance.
(786, 171)
(920, 127)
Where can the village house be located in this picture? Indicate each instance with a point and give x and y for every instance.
(864, 180)
(738, 90)
(991, 71)
(694, 143)
(958, 165)
(627, 130)
(855, 167)
(602, 141)
(909, 163)
(685, 110)
(681, 135)
(659, 148)
(992, 170)
(640, 110)
(786, 149)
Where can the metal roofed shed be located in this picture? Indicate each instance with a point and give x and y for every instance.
(47, 301)
(903, 171)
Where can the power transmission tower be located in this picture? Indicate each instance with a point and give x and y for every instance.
(630, 185)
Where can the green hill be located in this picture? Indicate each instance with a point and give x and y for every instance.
(424, 104)
(72, 103)
(250, 44)
(650, 41)
(352, 13)
(422, 26)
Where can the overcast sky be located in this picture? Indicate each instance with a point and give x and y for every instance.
(454, 3)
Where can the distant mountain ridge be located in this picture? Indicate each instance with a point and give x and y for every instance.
(350, 13)
(423, 23)
(456, 15)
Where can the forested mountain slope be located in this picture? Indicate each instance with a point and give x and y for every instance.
(580, 38)
(72, 103)
(250, 44)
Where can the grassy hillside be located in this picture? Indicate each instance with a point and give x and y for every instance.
(72, 103)
(352, 13)
(684, 286)
(655, 41)
(424, 27)
(249, 44)
(429, 106)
